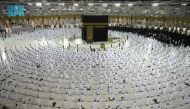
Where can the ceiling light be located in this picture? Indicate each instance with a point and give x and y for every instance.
(61, 4)
(130, 4)
(104, 5)
(76, 4)
(155, 4)
(39, 4)
(183, 4)
(90, 4)
(117, 4)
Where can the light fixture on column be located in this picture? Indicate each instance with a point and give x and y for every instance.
(75, 4)
(104, 5)
(130, 4)
(47, 3)
(29, 4)
(155, 4)
(117, 4)
(38, 4)
(61, 4)
(90, 4)
(183, 4)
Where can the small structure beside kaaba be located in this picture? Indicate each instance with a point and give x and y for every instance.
(94, 28)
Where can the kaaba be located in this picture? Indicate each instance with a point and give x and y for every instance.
(94, 28)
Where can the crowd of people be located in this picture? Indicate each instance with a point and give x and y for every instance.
(164, 36)
(142, 74)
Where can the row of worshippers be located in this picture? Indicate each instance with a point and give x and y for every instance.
(161, 35)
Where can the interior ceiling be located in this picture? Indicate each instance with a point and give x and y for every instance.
(142, 2)
(135, 2)
(93, 0)
(138, 7)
